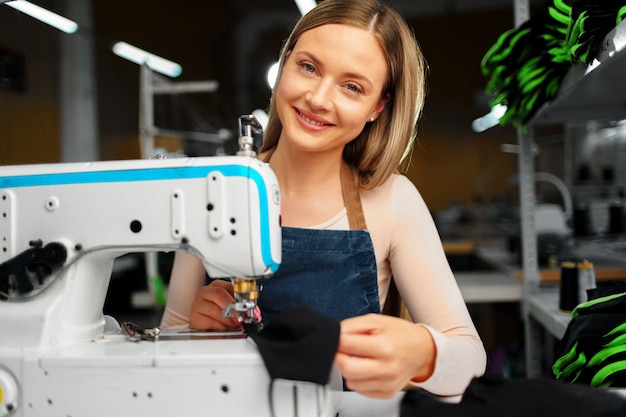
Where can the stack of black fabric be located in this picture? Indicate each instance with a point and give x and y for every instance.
(494, 396)
(593, 349)
(591, 361)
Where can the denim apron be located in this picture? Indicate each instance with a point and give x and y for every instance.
(331, 271)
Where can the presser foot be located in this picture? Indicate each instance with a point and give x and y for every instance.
(247, 316)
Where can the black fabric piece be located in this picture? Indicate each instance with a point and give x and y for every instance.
(492, 395)
(299, 344)
(608, 288)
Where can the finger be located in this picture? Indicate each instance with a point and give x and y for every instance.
(358, 368)
(218, 292)
(374, 388)
(366, 324)
(257, 314)
(221, 293)
(201, 322)
(206, 310)
(227, 285)
(376, 392)
(365, 345)
(368, 377)
(207, 315)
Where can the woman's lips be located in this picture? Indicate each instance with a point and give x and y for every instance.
(309, 121)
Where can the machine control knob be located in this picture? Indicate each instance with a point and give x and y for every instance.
(9, 393)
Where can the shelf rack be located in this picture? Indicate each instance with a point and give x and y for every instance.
(150, 85)
(594, 92)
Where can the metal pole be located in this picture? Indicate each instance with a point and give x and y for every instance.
(146, 113)
(527, 222)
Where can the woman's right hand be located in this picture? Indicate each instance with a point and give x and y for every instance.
(210, 301)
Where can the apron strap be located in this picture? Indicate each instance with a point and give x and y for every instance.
(352, 198)
(394, 306)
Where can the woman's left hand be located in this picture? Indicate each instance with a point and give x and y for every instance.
(378, 355)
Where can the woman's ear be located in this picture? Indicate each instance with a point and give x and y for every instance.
(380, 106)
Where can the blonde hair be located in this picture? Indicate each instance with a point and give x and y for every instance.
(383, 145)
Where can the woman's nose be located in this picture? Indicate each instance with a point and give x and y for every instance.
(320, 95)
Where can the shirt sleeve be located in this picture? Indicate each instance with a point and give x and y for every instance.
(429, 289)
(186, 278)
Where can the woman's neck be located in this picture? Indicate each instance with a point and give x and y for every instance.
(305, 172)
(310, 187)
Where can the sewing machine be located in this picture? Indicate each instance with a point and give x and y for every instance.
(61, 228)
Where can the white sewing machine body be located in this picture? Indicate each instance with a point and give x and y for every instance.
(112, 376)
(224, 210)
(61, 228)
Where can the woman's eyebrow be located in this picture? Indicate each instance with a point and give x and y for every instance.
(348, 74)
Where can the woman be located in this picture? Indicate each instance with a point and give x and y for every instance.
(343, 117)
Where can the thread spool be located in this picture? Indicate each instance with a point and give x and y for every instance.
(568, 291)
(586, 280)
(617, 223)
(582, 221)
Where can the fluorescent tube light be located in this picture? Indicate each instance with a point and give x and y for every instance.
(490, 119)
(46, 16)
(305, 5)
(141, 57)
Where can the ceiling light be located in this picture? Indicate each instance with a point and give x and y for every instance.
(262, 117)
(141, 57)
(305, 5)
(272, 73)
(46, 16)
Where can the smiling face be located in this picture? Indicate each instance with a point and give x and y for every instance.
(330, 87)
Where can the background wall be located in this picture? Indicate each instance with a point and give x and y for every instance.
(29, 113)
(450, 163)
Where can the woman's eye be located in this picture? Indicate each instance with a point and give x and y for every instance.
(354, 88)
(307, 67)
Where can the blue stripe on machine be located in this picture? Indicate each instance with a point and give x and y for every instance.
(153, 174)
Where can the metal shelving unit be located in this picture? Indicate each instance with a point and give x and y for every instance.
(597, 92)
(152, 84)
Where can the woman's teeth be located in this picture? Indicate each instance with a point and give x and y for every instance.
(313, 122)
